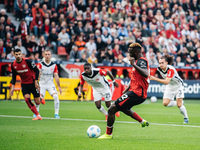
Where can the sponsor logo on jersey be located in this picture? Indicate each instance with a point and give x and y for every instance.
(15, 67)
(22, 71)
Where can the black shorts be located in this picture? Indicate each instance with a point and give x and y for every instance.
(128, 100)
(30, 88)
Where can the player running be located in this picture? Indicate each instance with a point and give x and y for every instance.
(29, 73)
(174, 85)
(135, 93)
(101, 88)
(48, 70)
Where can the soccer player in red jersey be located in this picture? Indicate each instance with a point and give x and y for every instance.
(29, 73)
(135, 93)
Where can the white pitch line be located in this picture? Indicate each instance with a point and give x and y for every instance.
(89, 120)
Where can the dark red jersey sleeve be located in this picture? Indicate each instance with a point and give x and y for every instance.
(103, 72)
(82, 80)
(55, 69)
(170, 73)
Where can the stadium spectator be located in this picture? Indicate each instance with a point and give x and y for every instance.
(81, 44)
(22, 48)
(35, 10)
(42, 44)
(46, 29)
(63, 38)
(23, 29)
(11, 55)
(74, 54)
(27, 14)
(18, 6)
(92, 59)
(53, 39)
(36, 24)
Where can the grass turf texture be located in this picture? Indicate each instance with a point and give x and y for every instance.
(23, 133)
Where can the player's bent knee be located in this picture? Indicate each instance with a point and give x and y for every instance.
(112, 110)
(98, 106)
(165, 104)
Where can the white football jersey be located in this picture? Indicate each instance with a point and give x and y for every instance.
(171, 73)
(97, 80)
(47, 71)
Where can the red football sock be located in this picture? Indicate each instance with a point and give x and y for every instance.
(137, 117)
(31, 106)
(109, 130)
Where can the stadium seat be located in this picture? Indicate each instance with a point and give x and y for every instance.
(62, 51)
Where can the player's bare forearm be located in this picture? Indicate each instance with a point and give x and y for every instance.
(163, 81)
(110, 75)
(142, 72)
(80, 91)
(113, 79)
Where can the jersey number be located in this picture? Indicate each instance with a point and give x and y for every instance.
(123, 97)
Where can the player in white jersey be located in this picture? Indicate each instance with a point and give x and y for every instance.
(174, 85)
(48, 71)
(101, 88)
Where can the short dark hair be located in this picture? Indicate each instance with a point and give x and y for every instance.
(17, 50)
(87, 64)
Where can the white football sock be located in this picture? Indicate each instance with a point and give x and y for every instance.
(56, 103)
(172, 104)
(102, 109)
(183, 111)
(37, 107)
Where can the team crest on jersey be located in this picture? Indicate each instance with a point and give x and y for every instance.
(97, 80)
(24, 66)
(142, 64)
(51, 69)
(15, 67)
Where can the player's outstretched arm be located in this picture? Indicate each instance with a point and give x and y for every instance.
(57, 82)
(163, 81)
(112, 78)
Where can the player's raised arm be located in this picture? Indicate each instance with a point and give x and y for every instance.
(107, 72)
(135, 54)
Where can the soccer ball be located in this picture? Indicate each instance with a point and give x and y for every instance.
(153, 99)
(93, 131)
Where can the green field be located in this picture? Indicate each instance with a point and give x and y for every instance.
(166, 130)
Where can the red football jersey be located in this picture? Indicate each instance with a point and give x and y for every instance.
(139, 84)
(26, 69)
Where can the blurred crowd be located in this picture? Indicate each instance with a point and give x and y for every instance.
(100, 31)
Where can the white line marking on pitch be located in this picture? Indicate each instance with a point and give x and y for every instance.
(129, 122)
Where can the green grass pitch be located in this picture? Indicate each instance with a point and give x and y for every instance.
(166, 130)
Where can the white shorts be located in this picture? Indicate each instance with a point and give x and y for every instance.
(98, 95)
(50, 88)
(170, 93)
